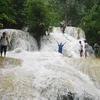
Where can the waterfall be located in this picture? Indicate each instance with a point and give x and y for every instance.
(20, 40)
(47, 74)
(71, 48)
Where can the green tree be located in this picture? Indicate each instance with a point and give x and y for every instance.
(38, 18)
(11, 13)
(7, 13)
(67, 10)
(18, 6)
(90, 23)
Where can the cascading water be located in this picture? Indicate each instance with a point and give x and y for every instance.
(46, 74)
(20, 40)
(71, 48)
(75, 32)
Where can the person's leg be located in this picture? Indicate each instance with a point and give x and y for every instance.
(96, 51)
(96, 55)
(85, 53)
(5, 50)
(81, 53)
(1, 50)
(63, 31)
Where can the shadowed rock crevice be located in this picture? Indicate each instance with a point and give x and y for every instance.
(73, 96)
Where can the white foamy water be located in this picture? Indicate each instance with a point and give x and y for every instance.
(47, 74)
(20, 40)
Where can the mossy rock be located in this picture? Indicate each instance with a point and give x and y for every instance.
(6, 62)
(78, 32)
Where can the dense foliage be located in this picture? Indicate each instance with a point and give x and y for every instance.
(7, 13)
(91, 22)
(38, 18)
(38, 15)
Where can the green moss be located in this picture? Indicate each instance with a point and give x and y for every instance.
(78, 32)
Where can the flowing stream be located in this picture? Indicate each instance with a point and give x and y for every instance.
(47, 74)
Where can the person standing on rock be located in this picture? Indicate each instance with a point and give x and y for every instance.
(86, 47)
(4, 43)
(81, 49)
(96, 49)
(63, 26)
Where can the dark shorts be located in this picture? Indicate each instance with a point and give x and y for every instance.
(95, 51)
(81, 51)
(3, 48)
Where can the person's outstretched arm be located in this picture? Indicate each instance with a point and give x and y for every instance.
(64, 43)
(57, 43)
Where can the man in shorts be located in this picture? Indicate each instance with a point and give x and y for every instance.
(4, 43)
(81, 49)
(96, 47)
